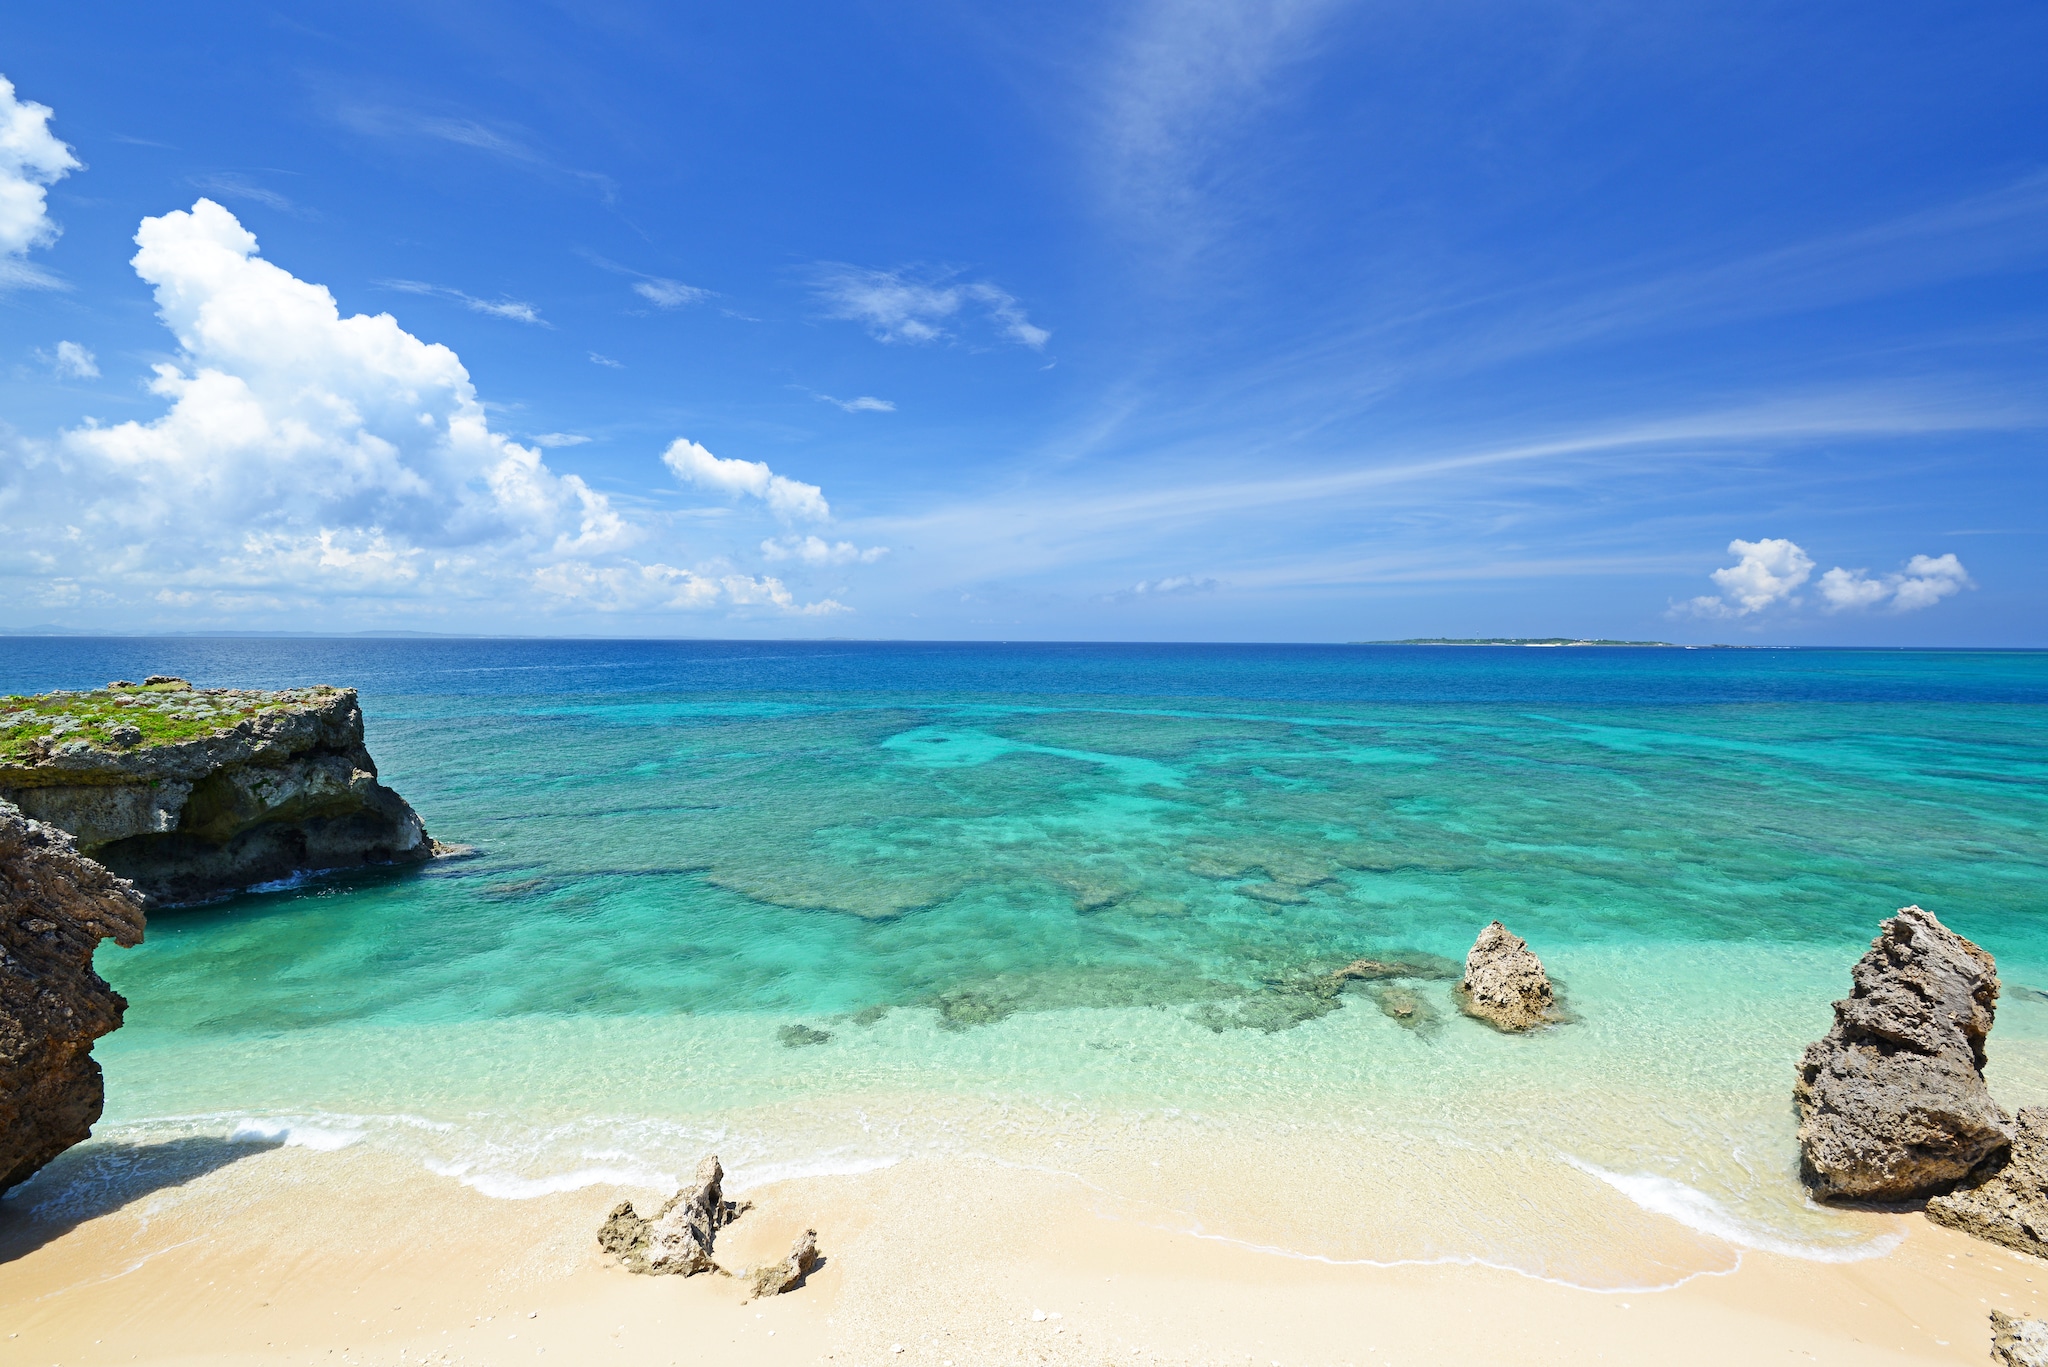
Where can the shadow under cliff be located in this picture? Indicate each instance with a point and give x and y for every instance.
(98, 1179)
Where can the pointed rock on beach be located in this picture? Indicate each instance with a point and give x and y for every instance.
(1504, 983)
(1892, 1100)
(776, 1278)
(2017, 1342)
(678, 1238)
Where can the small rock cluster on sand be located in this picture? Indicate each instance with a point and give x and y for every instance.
(678, 1238)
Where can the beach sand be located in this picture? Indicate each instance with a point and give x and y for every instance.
(283, 1255)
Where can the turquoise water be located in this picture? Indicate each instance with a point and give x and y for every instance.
(831, 906)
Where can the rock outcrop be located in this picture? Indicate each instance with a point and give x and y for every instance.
(776, 1278)
(1892, 1101)
(197, 793)
(2008, 1203)
(1504, 983)
(2017, 1342)
(678, 1238)
(55, 908)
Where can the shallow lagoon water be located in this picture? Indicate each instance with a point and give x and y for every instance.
(826, 906)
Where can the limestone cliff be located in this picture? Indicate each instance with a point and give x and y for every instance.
(197, 793)
(55, 907)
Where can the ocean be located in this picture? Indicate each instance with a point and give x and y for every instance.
(823, 907)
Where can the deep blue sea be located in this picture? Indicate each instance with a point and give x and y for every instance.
(826, 906)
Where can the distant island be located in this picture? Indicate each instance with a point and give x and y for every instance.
(1515, 641)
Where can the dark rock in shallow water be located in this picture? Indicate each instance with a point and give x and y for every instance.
(776, 1278)
(198, 793)
(678, 1238)
(2017, 1342)
(1400, 965)
(799, 1036)
(1892, 1101)
(2008, 1203)
(55, 908)
(1504, 983)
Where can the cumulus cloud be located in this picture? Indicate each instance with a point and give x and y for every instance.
(815, 550)
(305, 456)
(31, 160)
(896, 306)
(71, 362)
(1926, 580)
(1765, 573)
(513, 309)
(668, 294)
(788, 499)
(1770, 572)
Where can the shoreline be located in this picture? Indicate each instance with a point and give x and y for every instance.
(295, 1256)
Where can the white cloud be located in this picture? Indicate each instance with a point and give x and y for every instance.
(1765, 573)
(306, 458)
(71, 362)
(551, 440)
(596, 359)
(513, 309)
(786, 498)
(31, 159)
(1926, 581)
(897, 307)
(866, 403)
(815, 550)
(1770, 572)
(1179, 583)
(238, 186)
(668, 294)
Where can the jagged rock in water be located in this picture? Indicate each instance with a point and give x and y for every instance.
(197, 793)
(1504, 983)
(1892, 1101)
(679, 1238)
(55, 908)
(776, 1278)
(2017, 1342)
(2007, 1204)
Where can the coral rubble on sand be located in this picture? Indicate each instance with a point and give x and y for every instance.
(55, 908)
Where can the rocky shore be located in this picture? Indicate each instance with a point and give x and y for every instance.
(198, 793)
(55, 908)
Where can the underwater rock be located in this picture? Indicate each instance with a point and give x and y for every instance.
(776, 1278)
(55, 908)
(2017, 1342)
(1504, 983)
(800, 1036)
(2007, 1204)
(678, 1239)
(197, 793)
(1406, 966)
(1404, 1006)
(1892, 1101)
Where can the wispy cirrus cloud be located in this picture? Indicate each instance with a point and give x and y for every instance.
(658, 290)
(516, 310)
(505, 142)
(908, 305)
(70, 361)
(866, 403)
(235, 185)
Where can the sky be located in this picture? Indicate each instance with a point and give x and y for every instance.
(1221, 320)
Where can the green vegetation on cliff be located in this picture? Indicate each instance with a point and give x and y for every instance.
(128, 716)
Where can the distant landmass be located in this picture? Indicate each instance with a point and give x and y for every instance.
(1518, 641)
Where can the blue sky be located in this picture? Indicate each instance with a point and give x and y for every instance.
(1294, 320)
